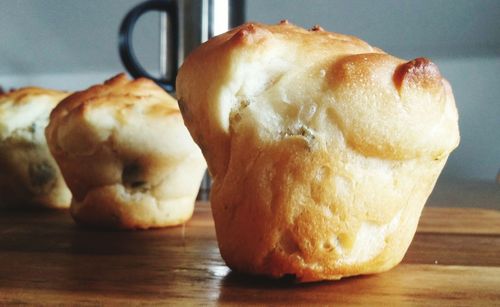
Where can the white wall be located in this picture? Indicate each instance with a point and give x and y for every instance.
(476, 86)
(71, 44)
(68, 36)
(407, 28)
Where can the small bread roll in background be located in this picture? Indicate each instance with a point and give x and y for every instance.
(323, 149)
(126, 155)
(29, 176)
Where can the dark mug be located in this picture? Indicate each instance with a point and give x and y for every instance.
(185, 25)
(126, 49)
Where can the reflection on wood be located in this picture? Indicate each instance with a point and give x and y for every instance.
(46, 258)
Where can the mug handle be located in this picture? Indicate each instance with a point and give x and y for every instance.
(126, 49)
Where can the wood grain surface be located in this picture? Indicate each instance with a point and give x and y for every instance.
(46, 259)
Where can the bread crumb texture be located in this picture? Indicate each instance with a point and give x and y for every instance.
(29, 176)
(126, 155)
(323, 149)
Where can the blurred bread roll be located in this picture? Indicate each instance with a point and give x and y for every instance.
(126, 155)
(29, 176)
(323, 149)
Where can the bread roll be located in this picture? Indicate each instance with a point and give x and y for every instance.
(126, 155)
(323, 149)
(29, 176)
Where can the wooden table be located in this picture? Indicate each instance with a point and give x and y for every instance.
(46, 259)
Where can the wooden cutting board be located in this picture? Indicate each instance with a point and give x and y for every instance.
(46, 259)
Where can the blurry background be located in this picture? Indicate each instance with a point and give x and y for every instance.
(72, 44)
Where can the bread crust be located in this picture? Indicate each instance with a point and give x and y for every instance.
(29, 176)
(126, 155)
(322, 148)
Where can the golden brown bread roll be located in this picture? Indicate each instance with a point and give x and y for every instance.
(126, 155)
(323, 149)
(29, 176)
